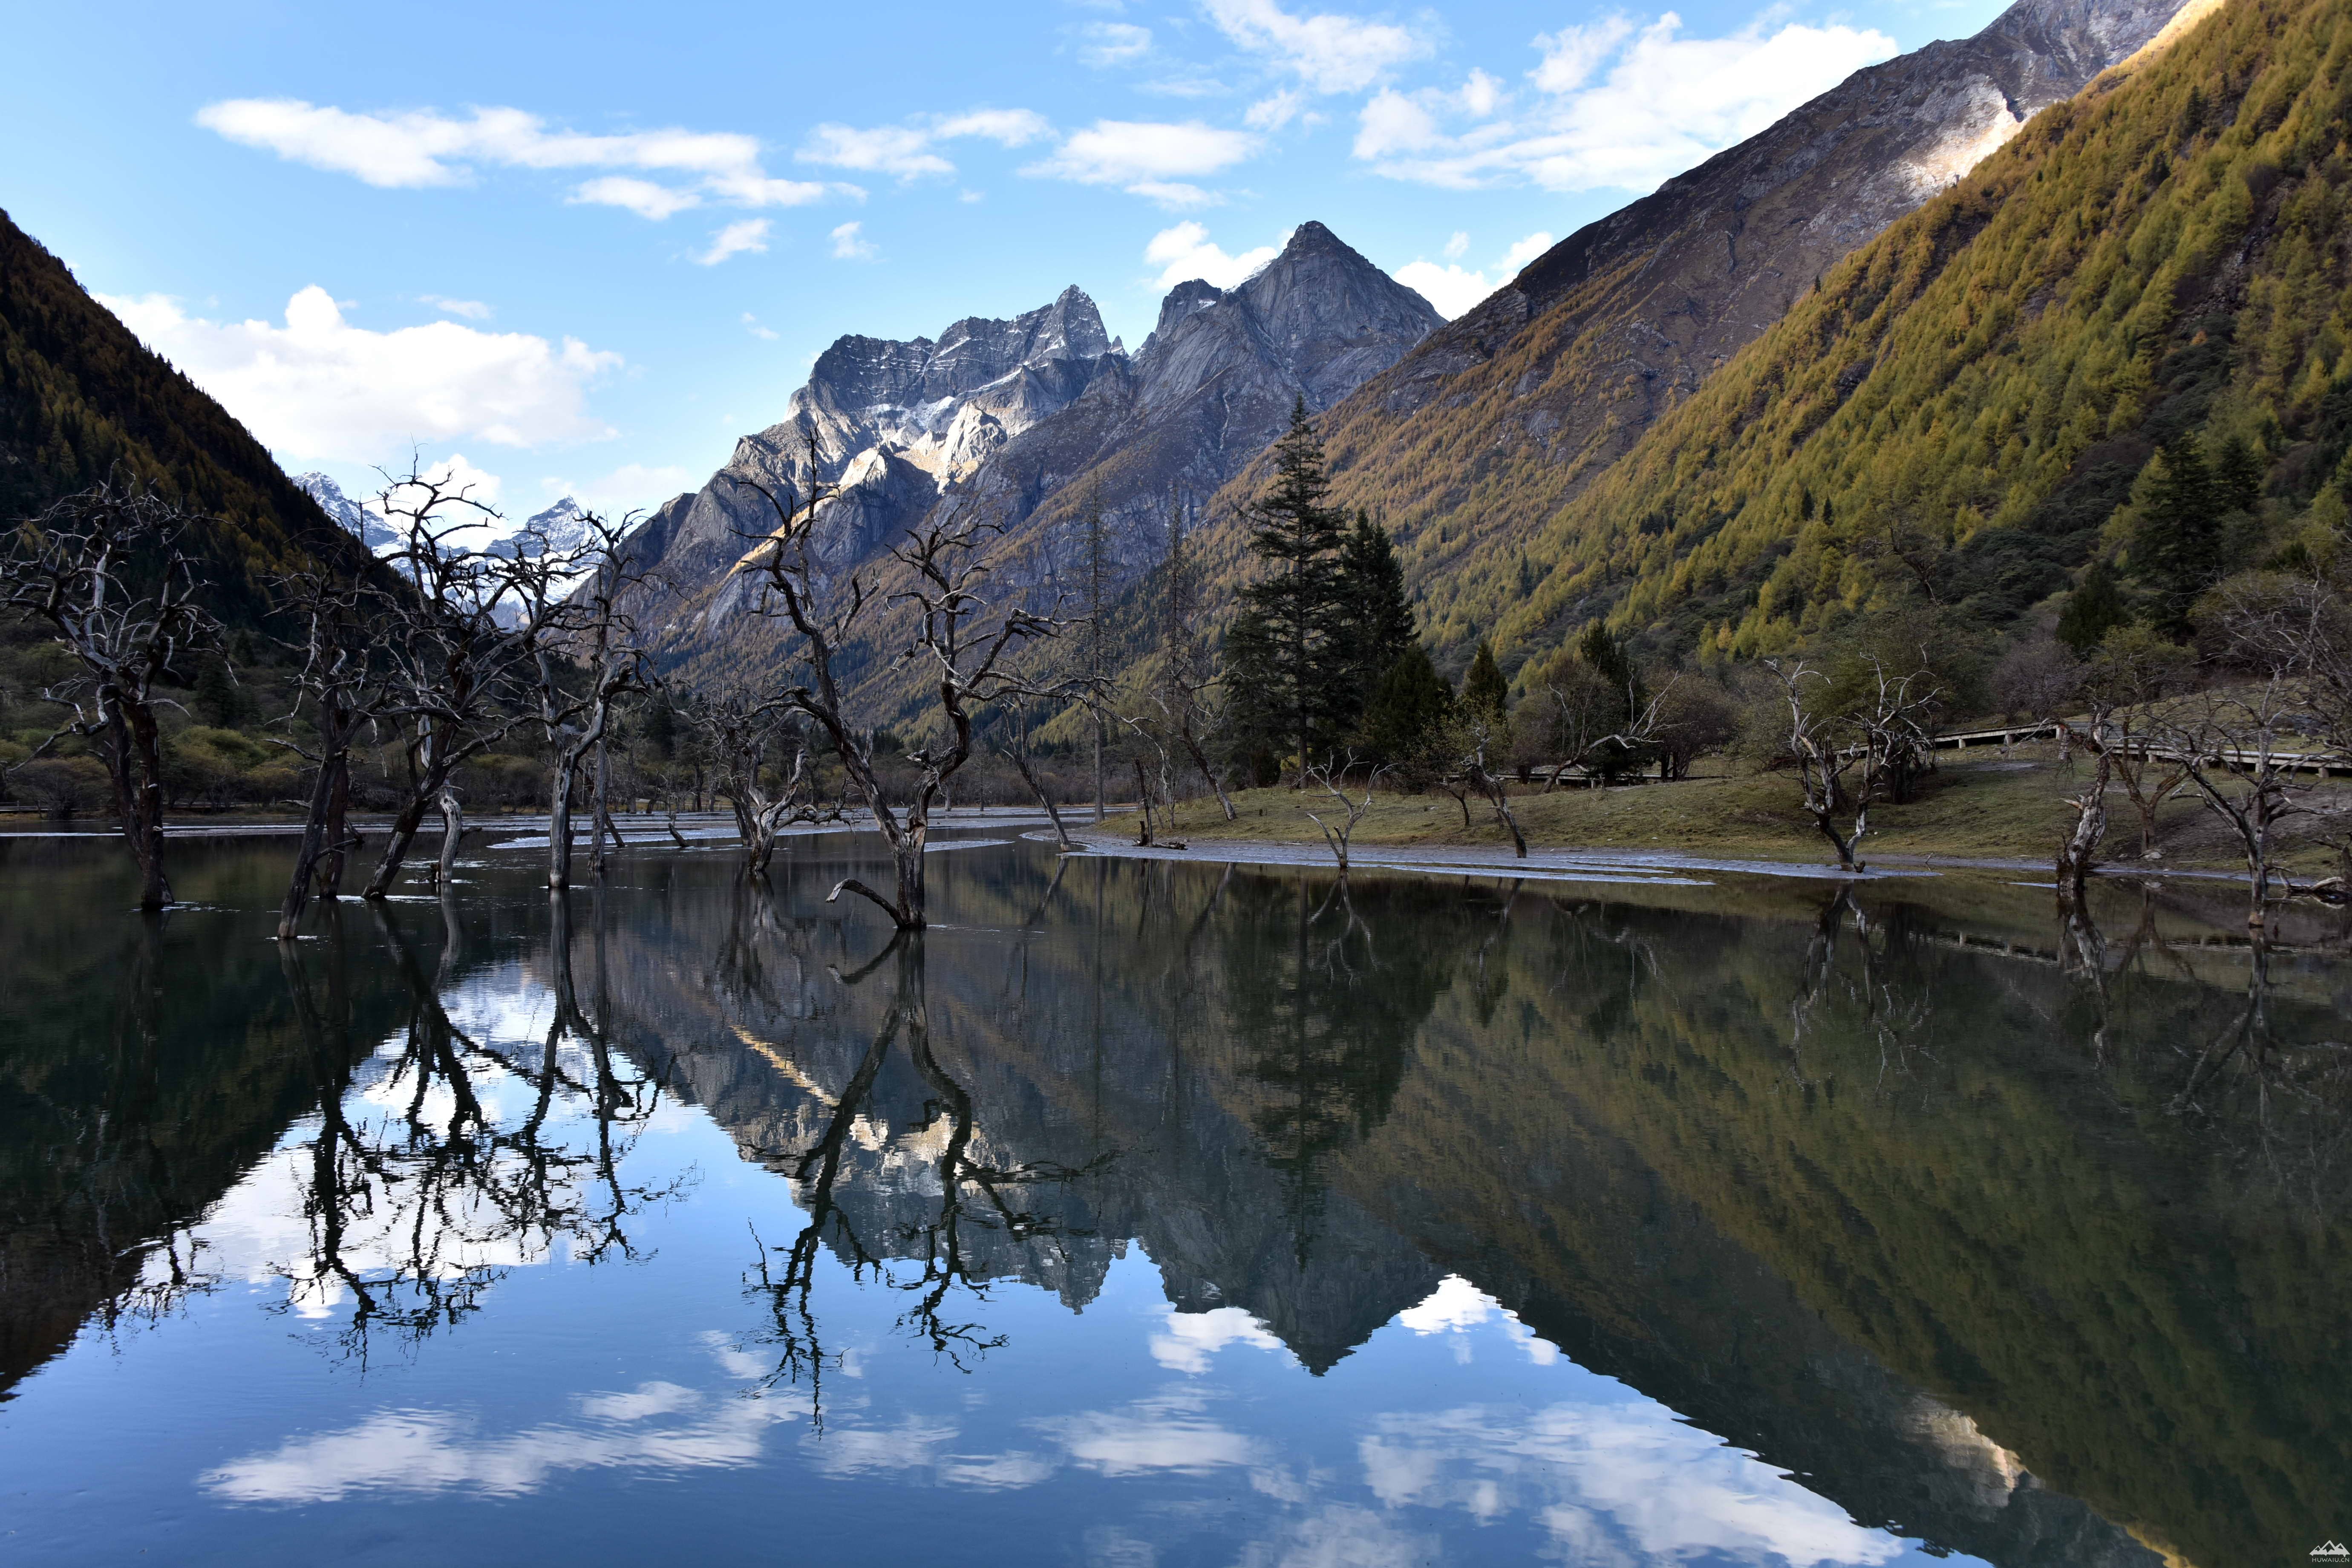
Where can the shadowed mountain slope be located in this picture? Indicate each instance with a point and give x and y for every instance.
(81, 396)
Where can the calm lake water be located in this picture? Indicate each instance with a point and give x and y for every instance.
(1166, 1214)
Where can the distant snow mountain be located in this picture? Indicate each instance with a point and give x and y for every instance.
(559, 528)
(348, 514)
(1028, 422)
(893, 425)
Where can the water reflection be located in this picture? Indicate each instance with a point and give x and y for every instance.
(1388, 1211)
(441, 1160)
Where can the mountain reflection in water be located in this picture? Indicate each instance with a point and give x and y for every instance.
(1152, 1211)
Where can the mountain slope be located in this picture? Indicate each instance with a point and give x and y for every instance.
(1505, 415)
(1211, 389)
(1212, 386)
(80, 395)
(890, 423)
(1963, 404)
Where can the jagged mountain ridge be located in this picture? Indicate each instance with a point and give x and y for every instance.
(347, 514)
(888, 422)
(1212, 386)
(1505, 415)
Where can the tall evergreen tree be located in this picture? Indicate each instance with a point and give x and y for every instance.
(2178, 549)
(1376, 620)
(2094, 607)
(1291, 671)
(1485, 691)
(1407, 711)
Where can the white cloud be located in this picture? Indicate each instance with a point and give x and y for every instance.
(1612, 1482)
(1481, 95)
(1450, 290)
(1186, 1340)
(1617, 105)
(900, 150)
(319, 389)
(749, 235)
(632, 487)
(1151, 1435)
(433, 1451)
(1113, 43)
(643, 197)
(424, 147)
(850, 245)
(1392, 122)
(1330, 53)
(752, 325)
(1148, 158)
(1526, 250)
(472, 310)
(1453, 289)
(1571, 55)
(1186, 252)
(1273, 114)
(908, 150)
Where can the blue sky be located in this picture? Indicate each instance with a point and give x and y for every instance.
(585, 246)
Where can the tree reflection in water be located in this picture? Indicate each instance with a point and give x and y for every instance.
(973, 1196)
(422, 1185)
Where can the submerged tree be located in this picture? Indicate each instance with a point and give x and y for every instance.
(107, 573)
(742, 733)
(961, 641)
(460, 648)
(338, 690)
(586, 658)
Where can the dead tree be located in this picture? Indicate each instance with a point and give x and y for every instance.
(586, 656)
(1476, 735)
(1017, 755)
(1332, 776)
(1594, 723)
(458, 649)
(106, 570)
(2126, 681)
(1847, 759)
(2242, 747)
(961, 640)
(742, 732)
(1187, 674)
(341, 623)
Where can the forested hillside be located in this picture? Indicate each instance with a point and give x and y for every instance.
(80, 395)
(1965, 409)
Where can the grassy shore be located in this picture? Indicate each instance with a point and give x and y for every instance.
(1978, 808)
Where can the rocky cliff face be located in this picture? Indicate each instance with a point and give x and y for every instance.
(1211, 388)
(890, 424)
(1555, 376)
(1031, 421)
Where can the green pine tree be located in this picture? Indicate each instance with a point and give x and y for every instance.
(1485, 693)
(1291, 669)
(1408, 710)
(2178, 549)
(2095, 607)
(1375, 619)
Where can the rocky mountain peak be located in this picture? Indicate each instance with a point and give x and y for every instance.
(346, 513)
(1334, 317)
